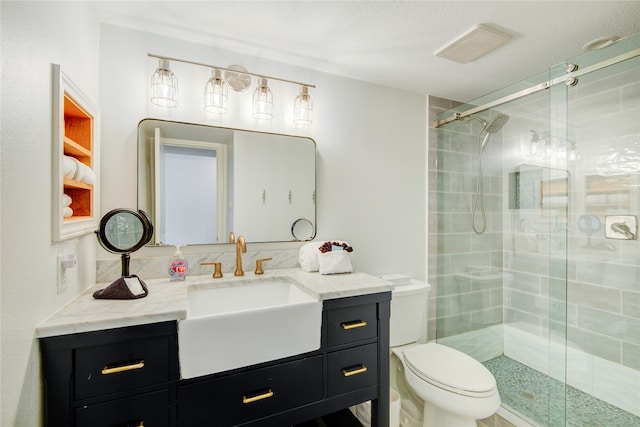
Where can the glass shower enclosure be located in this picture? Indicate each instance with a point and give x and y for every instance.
(533, 239)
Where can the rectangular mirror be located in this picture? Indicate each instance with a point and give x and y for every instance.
(199, 183)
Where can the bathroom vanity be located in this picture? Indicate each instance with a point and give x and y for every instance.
(130, 374)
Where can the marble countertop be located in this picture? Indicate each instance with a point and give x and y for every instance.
(168, 300)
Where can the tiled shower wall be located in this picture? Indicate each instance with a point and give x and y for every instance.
(461, 304)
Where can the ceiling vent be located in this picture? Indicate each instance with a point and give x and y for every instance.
(477, 42)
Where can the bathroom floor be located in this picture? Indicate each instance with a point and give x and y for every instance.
(342, 418)
(526, 391)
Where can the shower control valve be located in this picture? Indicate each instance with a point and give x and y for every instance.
(621, 227)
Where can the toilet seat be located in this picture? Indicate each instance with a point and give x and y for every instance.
(450, 369)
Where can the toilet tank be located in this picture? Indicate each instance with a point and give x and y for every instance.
(409, 313)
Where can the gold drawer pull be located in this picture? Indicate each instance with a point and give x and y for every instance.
(353, 325)
(251, 399)
(354, 371)
(115, 369)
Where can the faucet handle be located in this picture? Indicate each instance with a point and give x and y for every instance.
(259, 269)
(217, 269)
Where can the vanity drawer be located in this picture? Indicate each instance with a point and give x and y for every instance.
(250, 395)
(350, 324)
(151, 409)
(121, 366)
(352, 369)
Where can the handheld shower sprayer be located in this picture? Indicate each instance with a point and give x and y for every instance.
(495, 125)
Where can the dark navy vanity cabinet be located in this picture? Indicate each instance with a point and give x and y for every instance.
(130, 376)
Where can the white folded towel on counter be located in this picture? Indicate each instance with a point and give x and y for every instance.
(335, 262)
(333, 258)
(67, 212)
(66, 200)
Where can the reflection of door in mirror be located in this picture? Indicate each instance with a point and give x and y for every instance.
(186, 211)
(269, 196)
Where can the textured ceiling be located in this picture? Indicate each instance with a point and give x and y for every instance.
(389, 42)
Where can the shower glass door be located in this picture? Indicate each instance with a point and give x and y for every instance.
(548, 297)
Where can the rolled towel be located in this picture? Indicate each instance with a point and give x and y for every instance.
(308, 256)
(69, 167)
(67, 212)
(85, 173)
(66, 200)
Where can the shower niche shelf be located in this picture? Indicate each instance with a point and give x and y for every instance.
(74, 148)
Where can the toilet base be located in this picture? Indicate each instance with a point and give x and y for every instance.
(435, 416)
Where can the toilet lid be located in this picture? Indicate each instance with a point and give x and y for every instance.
(450, 369)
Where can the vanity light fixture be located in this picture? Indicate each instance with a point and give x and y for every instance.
(216, 98)
(164, 86)
(543, 147)
(303, 108)
(164, 90)
(262, 101)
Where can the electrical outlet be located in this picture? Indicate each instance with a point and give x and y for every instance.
(62, 279)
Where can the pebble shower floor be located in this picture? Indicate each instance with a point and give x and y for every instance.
(526, 391)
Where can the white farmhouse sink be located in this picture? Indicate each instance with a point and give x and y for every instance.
(236, 323)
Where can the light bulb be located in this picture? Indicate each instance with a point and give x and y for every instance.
(164, 86)
(262, 101)
(216, 99)
(303, 108)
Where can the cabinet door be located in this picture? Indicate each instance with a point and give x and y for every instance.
(250, 395)
(350, 324)
(121, 366)
(151, 409)
(352, 369)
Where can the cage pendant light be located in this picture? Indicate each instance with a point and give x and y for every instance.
(216, 98)
(262, 101)
(164, 86)
(303, 108)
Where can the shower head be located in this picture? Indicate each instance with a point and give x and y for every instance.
(497, 123)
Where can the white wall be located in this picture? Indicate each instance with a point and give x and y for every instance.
(34, 35)
(371, 162)
(371, 142)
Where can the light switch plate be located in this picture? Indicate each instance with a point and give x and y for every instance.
(621, 227)
(62, 278)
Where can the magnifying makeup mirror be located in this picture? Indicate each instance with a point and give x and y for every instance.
(124, 231)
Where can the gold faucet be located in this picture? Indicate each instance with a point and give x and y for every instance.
(241, 246)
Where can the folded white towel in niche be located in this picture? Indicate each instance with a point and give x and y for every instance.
(73, 168)
(69, 167)
(85, 174)
(308, 256)
(66, 200)
(67, 212)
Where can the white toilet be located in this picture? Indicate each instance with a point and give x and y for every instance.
(456, 389)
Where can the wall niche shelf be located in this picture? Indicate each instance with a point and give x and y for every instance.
(75, 149)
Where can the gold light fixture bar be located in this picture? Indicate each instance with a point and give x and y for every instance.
(262, 76)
